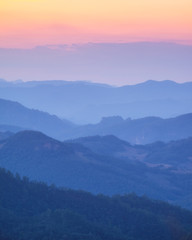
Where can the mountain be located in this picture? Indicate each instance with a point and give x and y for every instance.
(15, 117)
(71, 165)
(175, 155)
(84, 102)
(75, 166)
(31, 211)
(139, 131)
(112, 146)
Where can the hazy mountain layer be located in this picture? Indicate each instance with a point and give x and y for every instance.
(14, 114)
(84, 102)
(139, 131)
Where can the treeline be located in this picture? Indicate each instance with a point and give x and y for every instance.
(33, 211)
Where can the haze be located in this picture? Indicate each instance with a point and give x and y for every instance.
(115, 63)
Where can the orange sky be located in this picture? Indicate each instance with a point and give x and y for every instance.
(27, 23)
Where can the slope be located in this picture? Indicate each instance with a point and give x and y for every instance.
(32, 211)
(15, 114)
(138, 131)
(74, 166)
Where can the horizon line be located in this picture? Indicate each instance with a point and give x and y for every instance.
(51, 46)
(20, 81)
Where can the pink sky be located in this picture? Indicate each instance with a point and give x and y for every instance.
(29, 23)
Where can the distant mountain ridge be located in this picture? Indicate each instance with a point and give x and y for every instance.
(139, 131)
(85, 102)
(15, 117)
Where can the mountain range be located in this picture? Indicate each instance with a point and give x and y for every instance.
(139, 131)
(15, 117)
(161, 171)
(84, 102)
(174, 155)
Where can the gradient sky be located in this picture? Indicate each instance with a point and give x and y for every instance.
(28, 23)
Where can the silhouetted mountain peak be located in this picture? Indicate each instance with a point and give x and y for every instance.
(154, 82)
(101, 139)
(7, 103)
(33, 140)
(31, 135)
(185, 116)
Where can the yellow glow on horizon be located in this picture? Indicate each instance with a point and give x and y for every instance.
(44, 21)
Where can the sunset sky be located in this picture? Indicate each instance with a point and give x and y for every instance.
(28, 23)
(109, 41)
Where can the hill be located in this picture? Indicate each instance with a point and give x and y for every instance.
(31, 211)
(110, 145)
(73, 165)
(176, 155)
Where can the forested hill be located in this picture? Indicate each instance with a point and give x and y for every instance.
(153, 170)
(33, 211)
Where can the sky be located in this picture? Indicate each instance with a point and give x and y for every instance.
(109, 41)
(29, 23)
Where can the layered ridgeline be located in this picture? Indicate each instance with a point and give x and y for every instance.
(15, 117)
(174, 155)
(139, 131)
(85, 102)
(33, 211)
(103, 165)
